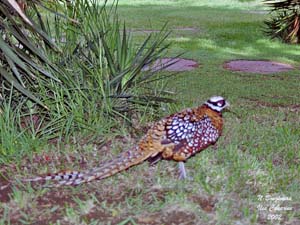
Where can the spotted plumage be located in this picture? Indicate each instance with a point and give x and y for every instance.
(176, 137)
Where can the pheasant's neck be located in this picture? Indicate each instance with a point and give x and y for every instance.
(216, 117)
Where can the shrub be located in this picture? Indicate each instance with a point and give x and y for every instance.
(97, 75)
(22, 58)
(103, 63)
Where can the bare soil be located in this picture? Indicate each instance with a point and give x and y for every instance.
(5, 188)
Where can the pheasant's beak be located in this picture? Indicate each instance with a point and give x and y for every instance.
(227, 104)
(227, 109)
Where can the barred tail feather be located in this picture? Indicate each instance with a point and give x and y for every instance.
(122, 162)
(62, 175)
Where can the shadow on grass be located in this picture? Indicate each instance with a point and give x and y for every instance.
(219, 32)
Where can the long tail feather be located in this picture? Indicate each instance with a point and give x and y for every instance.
(62, 175)
(122, 162)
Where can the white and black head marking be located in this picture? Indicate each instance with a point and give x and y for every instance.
(217, 103)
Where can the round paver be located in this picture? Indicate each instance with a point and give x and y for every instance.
(175, 64)
(257, 66)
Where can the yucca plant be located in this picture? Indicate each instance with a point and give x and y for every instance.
(22, 45)
(285, 20)
(100, 71)
(26, 70)
(112, 64)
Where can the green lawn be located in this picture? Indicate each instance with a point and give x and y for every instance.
(254, 166)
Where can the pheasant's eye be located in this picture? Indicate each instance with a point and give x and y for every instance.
(221, 103)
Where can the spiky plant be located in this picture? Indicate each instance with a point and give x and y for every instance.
(22, 56)
(100, 72)
(284, 21)
(113, 65)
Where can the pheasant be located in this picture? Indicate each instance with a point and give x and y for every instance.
(175, 137)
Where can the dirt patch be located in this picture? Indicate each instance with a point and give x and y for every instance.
(174, 214)
(206, 203)
(257, 66)
(173, 65)
(60, 198)
(261, 103)
(5, 183)
(5, 189)
(98, 214)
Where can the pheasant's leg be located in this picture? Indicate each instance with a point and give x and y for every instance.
(182, 171)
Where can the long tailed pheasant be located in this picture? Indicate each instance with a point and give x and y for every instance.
(175, 137)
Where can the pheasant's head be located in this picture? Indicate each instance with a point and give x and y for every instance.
(217, 103)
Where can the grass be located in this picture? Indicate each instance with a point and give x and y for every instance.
(254, 163)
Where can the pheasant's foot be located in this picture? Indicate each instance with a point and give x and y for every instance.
(182, 172)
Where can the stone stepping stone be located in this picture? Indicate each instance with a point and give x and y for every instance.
(176, 64)
(257, 66)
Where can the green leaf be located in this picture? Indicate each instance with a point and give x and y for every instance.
(15, 70)
(35, 66)
(19, 87)
(9, 53)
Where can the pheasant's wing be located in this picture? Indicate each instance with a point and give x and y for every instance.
(180, 126)
(190, 133)
(180, 129)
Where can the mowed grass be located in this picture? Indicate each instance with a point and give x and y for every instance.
(251, 176)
